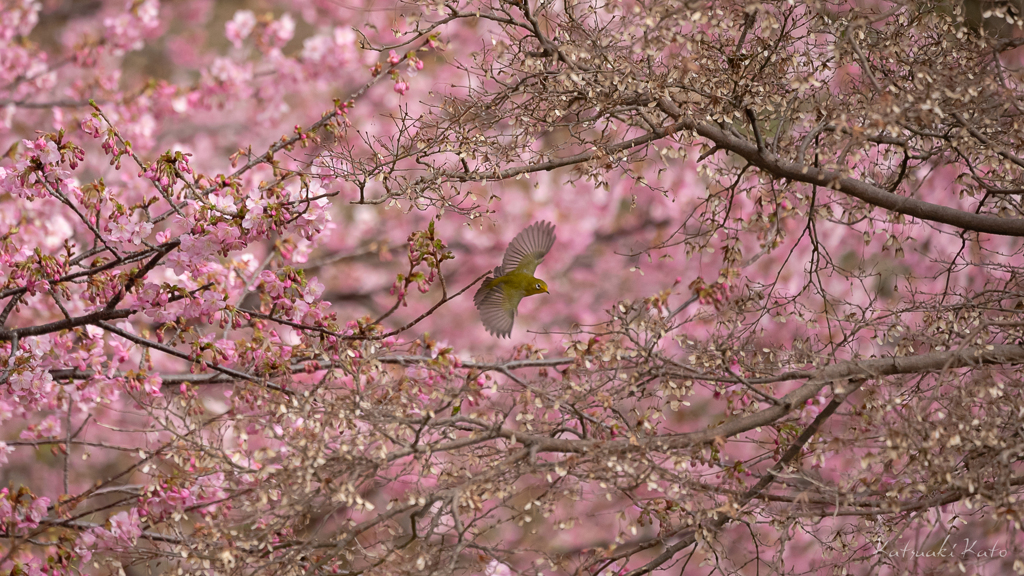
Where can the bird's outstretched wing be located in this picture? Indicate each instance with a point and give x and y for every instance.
(528, 248)
(497, 308)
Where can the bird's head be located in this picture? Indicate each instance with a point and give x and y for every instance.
(536, 286)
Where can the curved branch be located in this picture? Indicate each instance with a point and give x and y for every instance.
(851, 186)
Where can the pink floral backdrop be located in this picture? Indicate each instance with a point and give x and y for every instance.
(238, 244)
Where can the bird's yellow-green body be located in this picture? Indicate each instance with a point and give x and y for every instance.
(499, 296)
(517, 285)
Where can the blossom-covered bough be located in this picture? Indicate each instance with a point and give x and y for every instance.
(783, 334)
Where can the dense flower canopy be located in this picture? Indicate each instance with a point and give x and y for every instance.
(239, 243)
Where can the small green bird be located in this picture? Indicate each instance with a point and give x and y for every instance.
(498, 297)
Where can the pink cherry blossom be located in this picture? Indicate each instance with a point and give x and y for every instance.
(124, 527)
(240, 279)
(240, 27)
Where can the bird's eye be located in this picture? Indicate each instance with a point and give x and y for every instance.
(538, 286)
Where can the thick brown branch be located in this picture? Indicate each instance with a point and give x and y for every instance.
(67, 324)
(851, 186)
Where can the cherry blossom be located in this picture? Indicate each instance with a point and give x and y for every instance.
(238, 251)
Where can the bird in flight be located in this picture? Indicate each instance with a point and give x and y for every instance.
(498, 297)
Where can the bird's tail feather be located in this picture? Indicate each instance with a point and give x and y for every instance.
(485, 286)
